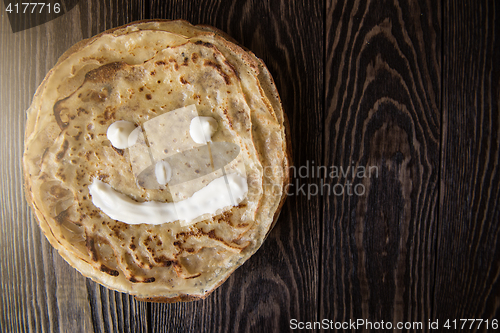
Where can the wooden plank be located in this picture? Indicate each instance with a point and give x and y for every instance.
(382, 91)
(468, 262)
(280, 281)
(40, 292)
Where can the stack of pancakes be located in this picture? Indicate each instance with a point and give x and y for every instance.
(136, 73)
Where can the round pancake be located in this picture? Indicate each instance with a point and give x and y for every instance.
(144, 73)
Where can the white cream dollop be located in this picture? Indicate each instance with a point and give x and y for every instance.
(134, 136)
(201, 129)
(118, 133)
(216, 195)
(163, 172)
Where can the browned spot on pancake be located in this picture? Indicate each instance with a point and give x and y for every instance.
(87, 155)
(109, 271)
(164, 261)
(176, 66)
(58, 109)
(148, 96)
(218, 68)
(194, 57)
(211, 234)
(81, 110)
(226, 215)
(183, 80)
(185, 62)
(146, 280)
(206, 44)
(186, 234)
(152, 73)
(228, 119)
(133, 74)
(90, 244)
(99, 59)
(62, 216)
(99, 96)
(102, 177)
(41, 161)
(190, 250)
(105, 72)
(118, 151)
(141, 89)
(233, 69)
(160, 62)
(58, 192)
(77, 137)
(63, 150)
(96, 96)
(192, 277)
(109, 113)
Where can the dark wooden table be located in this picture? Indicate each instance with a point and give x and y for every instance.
(411, 88)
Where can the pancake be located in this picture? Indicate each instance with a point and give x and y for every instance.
(156, 158)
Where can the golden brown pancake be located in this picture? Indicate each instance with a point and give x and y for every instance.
(144, 73)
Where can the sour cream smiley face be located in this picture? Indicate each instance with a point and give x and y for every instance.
(160, 151)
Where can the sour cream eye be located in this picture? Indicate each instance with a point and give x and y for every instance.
(163, 172)
(118, 133)
(201, 129)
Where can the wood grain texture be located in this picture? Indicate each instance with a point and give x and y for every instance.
(468, 247)
(280, 281)
(382, 90)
